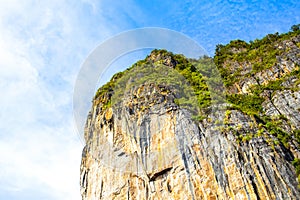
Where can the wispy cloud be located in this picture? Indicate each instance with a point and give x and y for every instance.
(40, 152)
(42, 45)
(42, 160)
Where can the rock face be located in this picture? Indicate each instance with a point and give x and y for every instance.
(148, 147)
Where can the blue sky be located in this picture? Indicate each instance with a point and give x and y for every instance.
(42, 47)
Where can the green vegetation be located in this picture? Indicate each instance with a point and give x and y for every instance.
(249, 104)
(296, 163)
(239, 60)
(261, 54)
(296, 134)
(187, 83)
(193, 80)
(109, 85)
(273, 127)
(295, 28)
(205, 65)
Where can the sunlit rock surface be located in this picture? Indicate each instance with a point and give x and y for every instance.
(148, 147)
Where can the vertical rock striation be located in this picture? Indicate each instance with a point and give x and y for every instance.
(146, 146)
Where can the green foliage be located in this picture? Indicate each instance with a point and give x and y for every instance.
(198, 117)
(247, 137)
(109, 85)
(185, 81)
(295, 28)
(296, 134)
(106, 104)
(192, 80)
(272, 125)
(247, 103)
(274, 129)
(296, 164)
(251, 104)
(260, 53)
(228, 51)
(205, 65)
(277, 85)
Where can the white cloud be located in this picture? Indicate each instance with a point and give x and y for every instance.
(43, 161)
(39, 150)
(42, 44)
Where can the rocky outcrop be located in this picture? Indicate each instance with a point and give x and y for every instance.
(146, 146)
(287, 61)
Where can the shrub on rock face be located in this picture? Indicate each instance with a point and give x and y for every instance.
(295, 28)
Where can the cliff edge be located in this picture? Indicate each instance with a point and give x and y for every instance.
(155, 131)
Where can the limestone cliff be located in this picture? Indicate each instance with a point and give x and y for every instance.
(143, 140)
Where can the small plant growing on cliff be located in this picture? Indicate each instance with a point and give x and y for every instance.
(296, 164)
